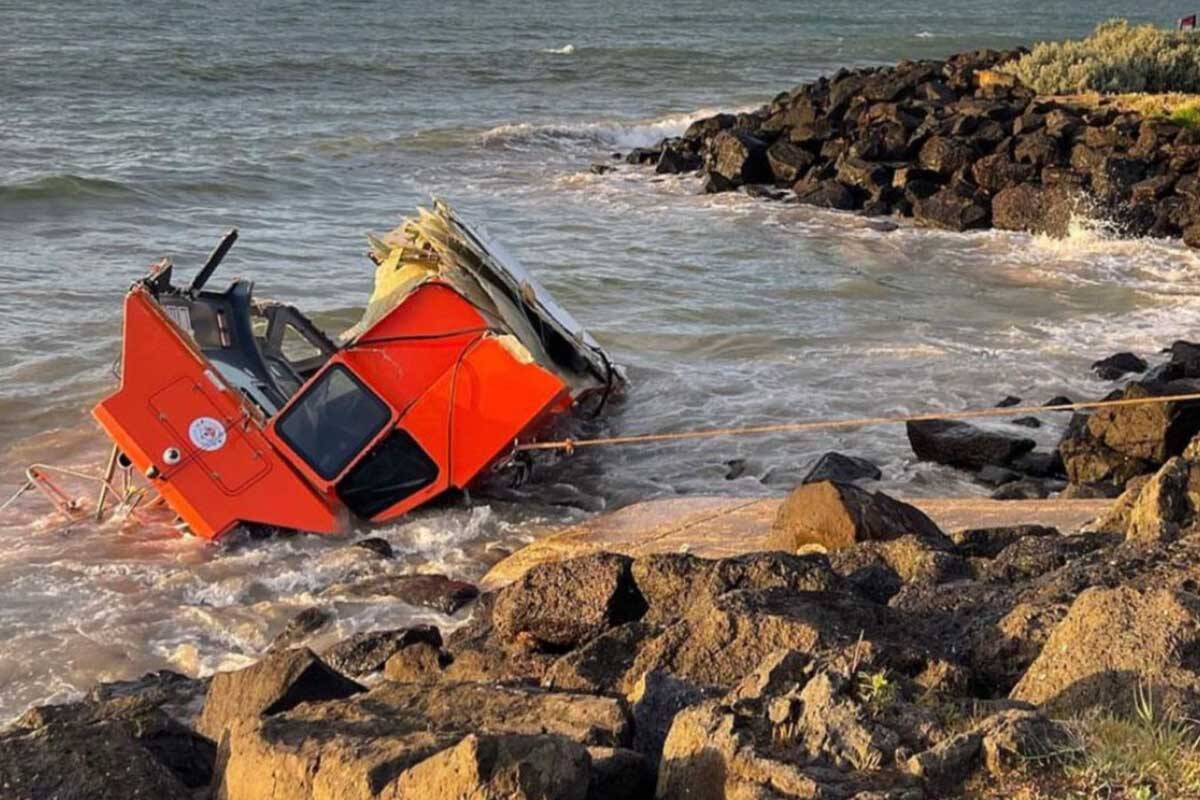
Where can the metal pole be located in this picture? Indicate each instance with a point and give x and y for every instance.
(108, 474)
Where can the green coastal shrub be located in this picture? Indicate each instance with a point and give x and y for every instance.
(1116, 58)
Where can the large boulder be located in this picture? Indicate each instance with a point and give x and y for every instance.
(1115, 643)
(1116, 443)
(788, 161)
(955, 208)
(1166, 504)
(827, 193)
(565, 603)
(105, 761)
(744, 627)
(839, 515)
(509, 767)
(363, 747)
(958, 444)
(739, 158)
(945, 155)
(280, 681)
(1034, 209)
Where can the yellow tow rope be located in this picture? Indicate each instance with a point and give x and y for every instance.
(570, 445)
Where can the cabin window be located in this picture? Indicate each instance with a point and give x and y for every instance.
(333, 421)
(395, 469)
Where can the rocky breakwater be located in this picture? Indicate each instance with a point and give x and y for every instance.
(953, 144)
(870, 656)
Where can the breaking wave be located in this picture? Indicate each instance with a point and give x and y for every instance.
(608, 133)
(565, 50)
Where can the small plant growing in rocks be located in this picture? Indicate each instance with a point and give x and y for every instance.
(877, 690)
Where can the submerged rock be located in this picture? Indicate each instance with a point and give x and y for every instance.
(842, 468)
(1115, 366)
(958, 444)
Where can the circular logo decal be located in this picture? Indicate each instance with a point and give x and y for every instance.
(207, 433)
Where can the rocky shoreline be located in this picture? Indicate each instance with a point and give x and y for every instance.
(867, 655)
(952, 144)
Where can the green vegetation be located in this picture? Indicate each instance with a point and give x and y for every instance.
(1186, 116)
(1117, 57)
(1153, 754)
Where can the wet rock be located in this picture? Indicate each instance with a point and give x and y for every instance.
(788, 162)
(302, 626)
(866, 176)
(1115, 366)
(739, 158)
(1033, 209)
(1058, 400)
(643, 155)
(989, 542)
(566, 603)
(839, 515)
(992, 475)
(842, 468)
(707, 127)
(601, 169)
(417, 663)
(512, 767)
(1009, 401)
(377, 545)
(955, 208)
(1039, 464)
(676, 159)
(1027, 422)
(736, 468)
(958, 444)
(280, 681)
(428, 591)
(826, 194)
(369, 652)
(1113, 642)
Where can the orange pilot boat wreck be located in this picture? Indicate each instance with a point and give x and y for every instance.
(242, 412)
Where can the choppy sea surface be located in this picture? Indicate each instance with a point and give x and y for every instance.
(127, 134)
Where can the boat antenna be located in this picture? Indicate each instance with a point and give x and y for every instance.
(214, 260)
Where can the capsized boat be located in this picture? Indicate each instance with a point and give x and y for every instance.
(239, 411)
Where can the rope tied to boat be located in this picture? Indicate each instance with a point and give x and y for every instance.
(570, 445)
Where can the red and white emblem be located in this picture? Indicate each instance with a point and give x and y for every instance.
(207, 433)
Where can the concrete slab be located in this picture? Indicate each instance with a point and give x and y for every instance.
(718, 527)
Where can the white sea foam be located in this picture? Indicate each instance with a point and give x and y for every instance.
(925, 34)
(565, 50)
(608, 133)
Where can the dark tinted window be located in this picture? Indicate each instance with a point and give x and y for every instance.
(395, 468)
(334, 419)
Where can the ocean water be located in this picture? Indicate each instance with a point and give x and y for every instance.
(127, 134)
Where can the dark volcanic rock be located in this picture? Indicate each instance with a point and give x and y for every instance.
(842, 468)
(429, 591)
(302, 626)
(564, 604)
(1112, 445)
(1034, 209)
(958, 444)
(826, 194)
(955, 208)
(1117, 365)
(788, 161)
(739, 158)
(365, 653)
